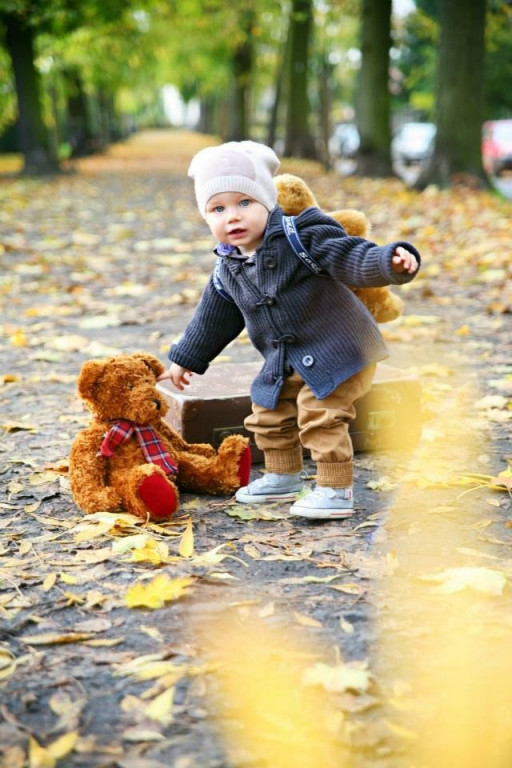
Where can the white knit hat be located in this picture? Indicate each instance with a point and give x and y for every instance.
(238, 166)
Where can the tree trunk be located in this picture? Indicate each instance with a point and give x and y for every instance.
(325, 109)
(80, 135)
(373, 104)
(299, 142)
(32, 132)
(280, 84)
(457, 153)
(242, 64)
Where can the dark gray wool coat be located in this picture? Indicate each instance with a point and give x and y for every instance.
(313, 324)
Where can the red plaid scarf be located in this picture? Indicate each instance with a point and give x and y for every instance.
(153, 448)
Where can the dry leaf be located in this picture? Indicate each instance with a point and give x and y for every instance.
(353, 677)
(186, 547)
(157, 592)
(484, 580)
(306, 621)
(160, 709)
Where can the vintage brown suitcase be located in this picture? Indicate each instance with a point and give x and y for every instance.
(215, 405)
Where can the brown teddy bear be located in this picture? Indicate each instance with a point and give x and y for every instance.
(129, 458)
(294, 196)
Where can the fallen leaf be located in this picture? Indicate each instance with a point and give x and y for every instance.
(305, 621)
(50, 638)
(160, 590)
(484, 580)
(160, 709)
(186, 546)
(353, 677)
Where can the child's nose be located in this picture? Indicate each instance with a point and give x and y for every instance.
(233, 213)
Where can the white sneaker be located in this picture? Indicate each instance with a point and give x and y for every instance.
(271, 487)
(324, 504)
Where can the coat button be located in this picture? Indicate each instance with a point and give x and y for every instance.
(308, 361)
(270, 263)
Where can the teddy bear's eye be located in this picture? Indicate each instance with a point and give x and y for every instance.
(129, 386)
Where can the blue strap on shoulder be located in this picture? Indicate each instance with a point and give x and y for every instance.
(218, 282)
(294, 240)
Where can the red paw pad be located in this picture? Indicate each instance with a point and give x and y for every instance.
(244, 467)
(159, 496)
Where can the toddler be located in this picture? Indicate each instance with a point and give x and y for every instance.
(286, 280)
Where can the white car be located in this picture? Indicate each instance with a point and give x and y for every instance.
(413, 143)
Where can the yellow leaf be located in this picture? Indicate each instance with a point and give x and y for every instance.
(25, 547)
(7, 663)
(342, 677)
(160, 708)
(306, 621)
(68, 579)
(186, 548)
(32, 507)
(49, 581)
(153, 632)
(105, 643)
(346, 626)
(63, 746)
(50, 638)
(138, 540)
(150, 668)
(157, 592)
(155, 552)
(484, 580)
(39, 757)
(19, 338)
(349, 589)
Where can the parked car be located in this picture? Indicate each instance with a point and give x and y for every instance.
(497, 146)
(344, 141)
(413, 143)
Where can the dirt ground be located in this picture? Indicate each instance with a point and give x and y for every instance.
(110, 258)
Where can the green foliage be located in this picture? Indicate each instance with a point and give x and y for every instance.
(8, 109)
(499, 61)
(417, 42)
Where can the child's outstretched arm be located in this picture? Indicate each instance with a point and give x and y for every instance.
(177, 375)
(404, 261)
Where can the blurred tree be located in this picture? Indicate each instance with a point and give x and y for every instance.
(33, 137)
(373, 100)
(299, 141)
(498, 60)
(24, 23)
(460, 96)
(242, 70)
(417, 42)
(416, 39)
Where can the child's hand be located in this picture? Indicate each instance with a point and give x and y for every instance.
(176, 375)
(404, 261)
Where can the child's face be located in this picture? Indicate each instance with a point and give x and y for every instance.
(236, 219)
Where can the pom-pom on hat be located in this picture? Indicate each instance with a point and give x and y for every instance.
(237, 166)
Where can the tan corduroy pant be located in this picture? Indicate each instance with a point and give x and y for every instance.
(300, 421)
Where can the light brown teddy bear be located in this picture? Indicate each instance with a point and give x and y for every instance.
(294, 196)
(129, 458)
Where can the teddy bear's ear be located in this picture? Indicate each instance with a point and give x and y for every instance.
(152, 362)
(293, 194)
(89, 374)
(353, 222)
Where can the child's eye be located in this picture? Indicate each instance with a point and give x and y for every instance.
(218, 209)
(245, 202)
